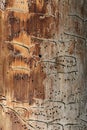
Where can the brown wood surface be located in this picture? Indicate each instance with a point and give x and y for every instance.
(43, 70)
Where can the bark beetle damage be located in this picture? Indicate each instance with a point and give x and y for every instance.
(25, 68)
(15, 122)
(36, 25)
(29, 48)
(25, 72)
(40, 26)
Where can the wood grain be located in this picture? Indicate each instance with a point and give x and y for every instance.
(43, 65)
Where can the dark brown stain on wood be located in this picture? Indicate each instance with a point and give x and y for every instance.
(37, 25)
(24, 73)
(36, 6)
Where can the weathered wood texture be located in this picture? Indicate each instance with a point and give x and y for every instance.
(43, 69)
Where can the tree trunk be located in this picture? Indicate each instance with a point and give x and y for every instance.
(43, 64)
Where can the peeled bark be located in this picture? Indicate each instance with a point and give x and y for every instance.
(43, 65)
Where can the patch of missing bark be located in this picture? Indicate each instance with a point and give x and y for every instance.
(25, 72)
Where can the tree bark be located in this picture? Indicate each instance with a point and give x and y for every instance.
(43, 55)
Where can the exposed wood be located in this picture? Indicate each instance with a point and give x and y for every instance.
(43, 75)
